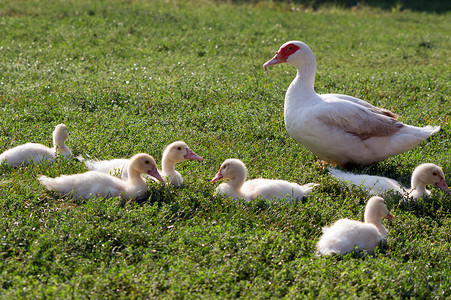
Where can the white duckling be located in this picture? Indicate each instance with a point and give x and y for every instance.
(174, 153)
(97, 184)
(344, 235)
(423, 175)
(237, 187)
(38, 153)
(339, 128)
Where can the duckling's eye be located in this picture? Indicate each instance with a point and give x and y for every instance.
(179, 148)
(435, 173)
(147, 162)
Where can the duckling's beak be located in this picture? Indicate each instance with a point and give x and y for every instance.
(217, 177)
(389, 216)
(443, 186)
(191, 155)
(274, 61)
(154, 173)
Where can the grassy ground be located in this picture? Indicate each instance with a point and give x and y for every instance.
(134, 76)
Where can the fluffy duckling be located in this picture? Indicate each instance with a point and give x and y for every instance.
(237, 187)
(423, 175)
(97, 184)
(344, 235)
(174, 153)
(38, 153)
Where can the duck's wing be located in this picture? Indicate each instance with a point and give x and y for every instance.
(370, 107)
(357, 119)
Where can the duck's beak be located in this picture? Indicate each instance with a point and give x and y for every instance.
(389, 216)
(154, 173)
(274, 61)
(217, 177)
(443, 186)
(191, 155)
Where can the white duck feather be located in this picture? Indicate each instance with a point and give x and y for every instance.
(97, 184)
(237, 187)
(339, 128)
(423, 175)
(345, 235)
(38, 153)
(174, 153)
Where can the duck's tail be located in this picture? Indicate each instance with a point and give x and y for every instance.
(431, 129)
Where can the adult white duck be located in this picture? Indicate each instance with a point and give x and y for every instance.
(97, 184)
(237, 187)
(345, 235)
(338, 128)
(422, 176)
(174, 153)
(38, 153)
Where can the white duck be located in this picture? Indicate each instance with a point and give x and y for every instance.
(174, 153)
(344, 235)
(38, 153)
(97, 184)
(238, 187)
(423, 175)
(339, 128)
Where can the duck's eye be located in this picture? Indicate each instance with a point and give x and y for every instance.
(290, 48)
(146, 162)
(179, 148)
(434, 173)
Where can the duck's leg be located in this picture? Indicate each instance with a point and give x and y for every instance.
(322, 164)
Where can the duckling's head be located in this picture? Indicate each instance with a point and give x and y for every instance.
(178, 152)
(231, 169)
(429, 174)
(376, 210)
(60, 134)
(143, 163)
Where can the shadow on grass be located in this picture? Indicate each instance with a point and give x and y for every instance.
(437, 6)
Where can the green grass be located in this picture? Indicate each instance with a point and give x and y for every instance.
(134, 76)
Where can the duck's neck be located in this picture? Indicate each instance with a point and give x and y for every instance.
(378, 223)
(135, 184)
(302, 90)
(306, 75)
(167, 165)
(237, 182)
(135, 179)
(61, 148)
(417, 188)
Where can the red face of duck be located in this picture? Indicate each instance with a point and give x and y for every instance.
(443, 186)
(282, 55)
(191, 155)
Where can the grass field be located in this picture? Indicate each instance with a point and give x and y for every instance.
(134, 76)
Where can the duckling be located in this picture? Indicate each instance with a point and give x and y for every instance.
(423, 175)
(174, 153)
(238, 187)
(98, 184)
(345, 234)
(38, 153)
